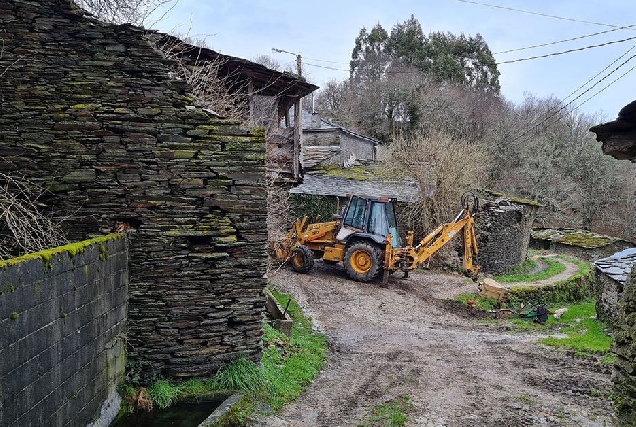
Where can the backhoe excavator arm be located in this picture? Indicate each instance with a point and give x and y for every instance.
(410, 257)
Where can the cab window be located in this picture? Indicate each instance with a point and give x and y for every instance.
(355, 214)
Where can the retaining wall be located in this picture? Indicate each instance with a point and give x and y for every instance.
(62, 318)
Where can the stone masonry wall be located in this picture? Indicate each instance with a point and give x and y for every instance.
(624, 373)
(92, 112)
(62, 318)
(503, 231)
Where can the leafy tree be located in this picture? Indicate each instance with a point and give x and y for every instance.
(370, 58)
(407, 42)
(460, 59)
(440, 57)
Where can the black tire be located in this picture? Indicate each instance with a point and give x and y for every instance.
(363, 261)
(302, 259)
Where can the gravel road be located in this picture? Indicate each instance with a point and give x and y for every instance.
(459, 368)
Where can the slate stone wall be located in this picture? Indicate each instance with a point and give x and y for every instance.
(62, 318)
(608, 293)
(624, 374)
(589, 254)
(92, 112)
(502, 228)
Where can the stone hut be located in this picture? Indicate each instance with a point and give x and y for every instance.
(91, 112)
(502, 227)
(618, 139)
(326, 143)
(581, 244)
(611, 277)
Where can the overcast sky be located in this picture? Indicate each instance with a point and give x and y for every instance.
(323, 32)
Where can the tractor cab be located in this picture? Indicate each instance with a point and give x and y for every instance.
(369, 218)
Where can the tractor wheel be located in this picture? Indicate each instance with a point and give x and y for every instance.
(363, 261)
(302, 259)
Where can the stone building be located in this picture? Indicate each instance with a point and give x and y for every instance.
(618, 139)
(93, 113)
(581, 244)
(611, 277)
(325, 143)
(502, 227)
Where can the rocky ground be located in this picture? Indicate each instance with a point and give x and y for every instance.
(458, 367)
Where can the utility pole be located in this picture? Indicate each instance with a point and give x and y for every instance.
(298, 114)
(299, 61)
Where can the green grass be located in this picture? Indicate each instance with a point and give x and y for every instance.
(163, 393)
(522, 273)
(389, 414)
(585, 333)
(288, 364)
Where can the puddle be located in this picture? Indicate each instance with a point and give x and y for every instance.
(179, 415)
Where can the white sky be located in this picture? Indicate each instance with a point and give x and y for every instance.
(325, 31)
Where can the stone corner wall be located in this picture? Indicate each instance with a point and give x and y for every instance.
(624, 372)
(608, 292)
(62, 323)
(503, 231)
(91, 111)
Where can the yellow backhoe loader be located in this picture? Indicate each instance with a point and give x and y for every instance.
(365, 239)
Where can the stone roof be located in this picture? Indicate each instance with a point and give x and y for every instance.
(266, 82)
(581, 238)
(322, 185)
(619, 136)
(619, 265)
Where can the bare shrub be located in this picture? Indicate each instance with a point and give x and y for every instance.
(212, 85)
(23, 227)
(444, 169)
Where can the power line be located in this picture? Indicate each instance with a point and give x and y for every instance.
(599, 73)
(327, 61)
(565, 51)
(614, 81)
(530, 129)
(325, 66)
(564, 41)
(538, 13)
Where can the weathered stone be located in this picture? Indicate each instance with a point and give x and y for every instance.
(122, 150)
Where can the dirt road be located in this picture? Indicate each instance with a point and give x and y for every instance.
(458, 368)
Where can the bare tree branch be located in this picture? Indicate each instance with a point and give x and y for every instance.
(136, 12)
(23, 228)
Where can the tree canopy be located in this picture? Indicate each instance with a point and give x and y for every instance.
(440, 56)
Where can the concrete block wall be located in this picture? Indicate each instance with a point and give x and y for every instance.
(62, 320)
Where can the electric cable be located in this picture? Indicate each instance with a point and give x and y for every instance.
(538, 13)
(530, 129)
(564, 41)
(566, 51)
(599, 73)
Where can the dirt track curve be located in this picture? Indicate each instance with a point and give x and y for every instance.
(458, 368)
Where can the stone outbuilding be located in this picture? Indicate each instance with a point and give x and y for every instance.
(502, 227)
(581, 244)
(326, 143)
(611, 278)
(619, 141)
